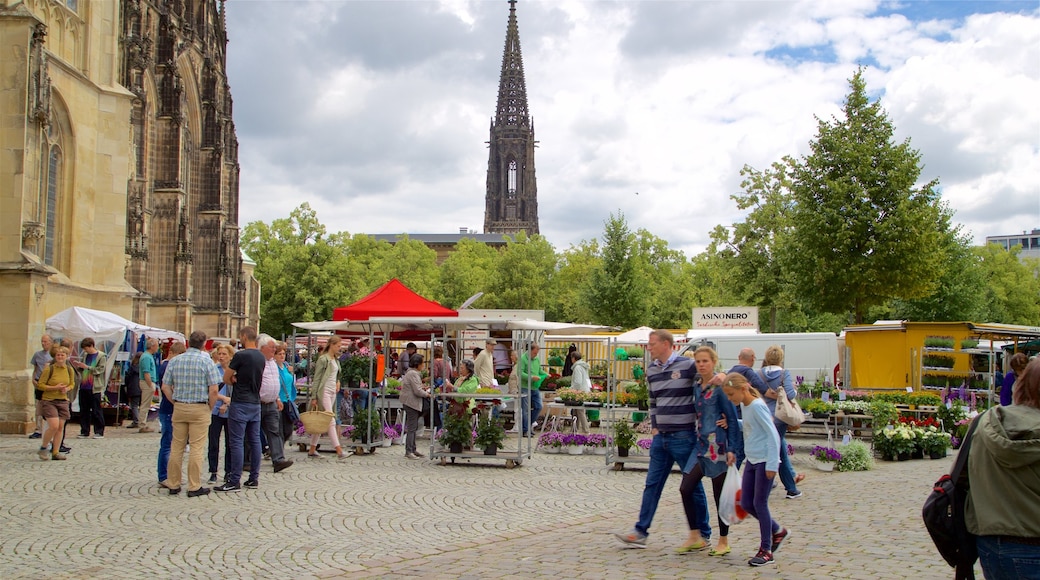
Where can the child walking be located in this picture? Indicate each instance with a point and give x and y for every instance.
(762, 448)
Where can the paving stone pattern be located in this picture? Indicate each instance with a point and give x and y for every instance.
(100, 514)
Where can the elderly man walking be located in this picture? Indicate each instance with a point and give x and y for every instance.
(149, 375)
(190, 381)
(271, 404)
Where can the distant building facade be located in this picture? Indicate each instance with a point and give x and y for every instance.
(512, 191)
(1030, 243)
(445, 244)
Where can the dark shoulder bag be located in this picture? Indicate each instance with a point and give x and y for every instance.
(943, 514)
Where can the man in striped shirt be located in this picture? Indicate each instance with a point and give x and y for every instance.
(673, 420)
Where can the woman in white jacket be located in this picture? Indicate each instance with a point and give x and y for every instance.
(580, 381)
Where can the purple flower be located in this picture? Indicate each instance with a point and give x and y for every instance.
(825, 453)
(790, 449)
(644, 443)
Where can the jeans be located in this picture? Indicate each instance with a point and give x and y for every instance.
(1005, 560)
(90, 413)
(525, 412)
(666, 450)
(786, 471)
(754, 498)
(536, 405)
(190, 424)
(243, 425)
(271, 420)
(165, 442)
(217, 424)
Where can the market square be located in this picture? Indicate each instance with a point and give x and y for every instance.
(100, 514)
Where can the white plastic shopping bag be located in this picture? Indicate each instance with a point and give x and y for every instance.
(729, 504)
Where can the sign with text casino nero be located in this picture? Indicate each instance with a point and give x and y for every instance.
(743, 317)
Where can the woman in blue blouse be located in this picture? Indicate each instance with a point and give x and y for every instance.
(718, 440)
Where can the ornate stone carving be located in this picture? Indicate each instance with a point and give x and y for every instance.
(40, 87)
(32, 232)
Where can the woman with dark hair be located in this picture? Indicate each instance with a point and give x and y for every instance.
(132, 386)
(412, 394)
(568, 368)
(1018, 364)
(91, 389)
(1003, 505)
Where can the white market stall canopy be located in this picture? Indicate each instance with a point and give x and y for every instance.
(77, 323)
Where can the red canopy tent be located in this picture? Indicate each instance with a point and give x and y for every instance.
(391, 299)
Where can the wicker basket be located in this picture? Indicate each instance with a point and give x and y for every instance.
(316, 422)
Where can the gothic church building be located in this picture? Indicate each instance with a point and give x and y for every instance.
(119, 175)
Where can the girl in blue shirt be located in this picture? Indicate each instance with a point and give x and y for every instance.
(762, 449)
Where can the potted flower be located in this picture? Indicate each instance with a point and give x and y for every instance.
(826, 457)
(574, 443)
(457, 432)
(390, 433)
(551, 442)
(624, 437)
(490, 434)
(934, 443)
(571, 397)
(818, 408)
(596, 443)
(366, 425)
(643, 445)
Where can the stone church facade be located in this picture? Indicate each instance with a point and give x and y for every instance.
(119, 174)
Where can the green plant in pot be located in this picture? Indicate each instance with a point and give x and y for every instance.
(457, 432)
(624, 437)
(363, 419)
(642, 393)
(490, 434)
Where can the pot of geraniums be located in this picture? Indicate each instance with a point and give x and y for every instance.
(574, 443)
(597, 443)
(457, 432)
(490, 434)
(624, 437)
(826, 457)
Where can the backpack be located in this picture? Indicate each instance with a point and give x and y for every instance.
(943, 514)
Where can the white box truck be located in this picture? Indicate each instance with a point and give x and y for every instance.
(813, 355)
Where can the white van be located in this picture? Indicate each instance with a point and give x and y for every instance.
(813, 355)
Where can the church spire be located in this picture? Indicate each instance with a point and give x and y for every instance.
(512, 90)
(512, 192)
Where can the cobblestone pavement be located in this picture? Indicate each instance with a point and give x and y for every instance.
(100, 514)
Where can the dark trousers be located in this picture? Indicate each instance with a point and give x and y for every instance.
(217, 424)
(271, 425)
(134, 403)
(90, 413)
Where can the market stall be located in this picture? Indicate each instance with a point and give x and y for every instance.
(114, 335)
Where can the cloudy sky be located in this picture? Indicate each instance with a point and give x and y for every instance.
(377, 112)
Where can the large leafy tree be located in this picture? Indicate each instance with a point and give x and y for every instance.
(864, 231)
(524, 274)
(1012, 289)
(959, 295)
(667, 282)
(575, 267)
(465, 272)
(616, 293)
(414, 264)
(303, 273)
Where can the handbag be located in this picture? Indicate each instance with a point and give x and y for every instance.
(787, 410)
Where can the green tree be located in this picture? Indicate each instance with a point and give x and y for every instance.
(666, 282)
(616, 293)
(864, 232)
(414, 264)
(524, 274)
(959, 295)
(575, 268)
(303, 274)
(1012, 289)
(467, 270)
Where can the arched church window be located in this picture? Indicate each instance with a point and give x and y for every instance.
(512, 179)
(51, 211)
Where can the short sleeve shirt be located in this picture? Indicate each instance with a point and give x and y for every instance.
(248, 365)
(147, 365)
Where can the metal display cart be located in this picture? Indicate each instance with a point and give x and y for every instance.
(512, 457)
(614, 411)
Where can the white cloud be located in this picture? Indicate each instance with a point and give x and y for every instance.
(377, 113)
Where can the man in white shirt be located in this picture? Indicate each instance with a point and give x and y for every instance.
(271, 404)
(484, 365)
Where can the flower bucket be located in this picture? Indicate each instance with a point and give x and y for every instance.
(825, 465)
(399, 440)
(550, 449)
(575, 449)
(387, 442)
